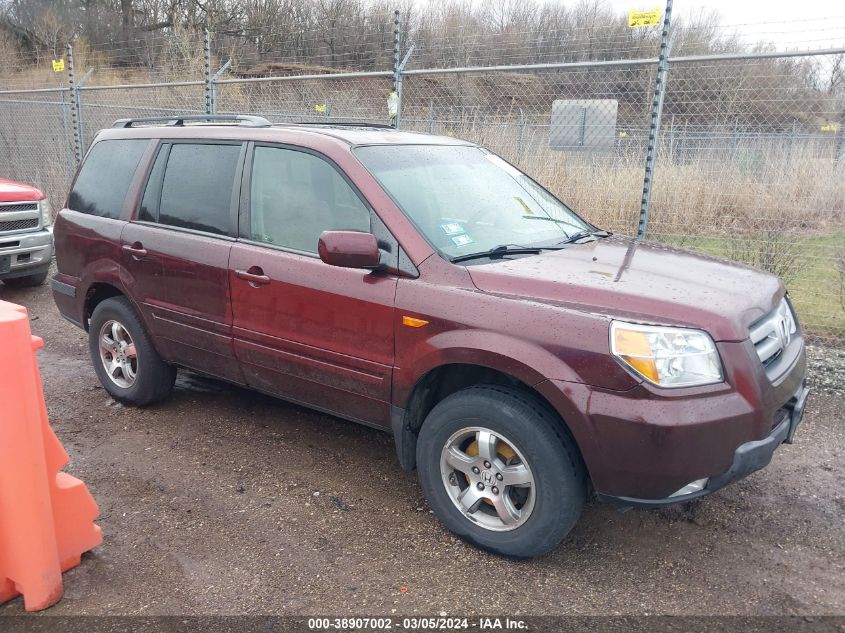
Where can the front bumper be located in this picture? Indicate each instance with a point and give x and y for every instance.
(649, 444)
(748, 458)
(25, 254)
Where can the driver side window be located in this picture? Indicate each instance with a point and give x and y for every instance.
(295, 196)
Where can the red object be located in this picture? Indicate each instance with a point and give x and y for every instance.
(11, 191)
(338, 339)
(47, 516)
(349, 249)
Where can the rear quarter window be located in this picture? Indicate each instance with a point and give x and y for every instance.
(104, 179)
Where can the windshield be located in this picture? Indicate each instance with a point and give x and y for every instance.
(467, 200)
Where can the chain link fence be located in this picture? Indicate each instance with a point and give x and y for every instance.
(749, 161)
(36, 139)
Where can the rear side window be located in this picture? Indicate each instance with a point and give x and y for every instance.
(196, 192)
(104, 178)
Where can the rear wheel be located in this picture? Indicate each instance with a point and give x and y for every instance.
(500, 471)
(126, 362)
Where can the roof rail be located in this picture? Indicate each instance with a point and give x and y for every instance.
(383, 126)
(179, 120)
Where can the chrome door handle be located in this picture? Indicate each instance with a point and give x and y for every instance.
(256, 279)
(136, 250)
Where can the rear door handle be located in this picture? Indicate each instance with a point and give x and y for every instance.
(255, 276)
(137, 250)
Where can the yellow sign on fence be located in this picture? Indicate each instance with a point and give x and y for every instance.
(830, 127)
(320, 107)
(58, 65)
(644, 18)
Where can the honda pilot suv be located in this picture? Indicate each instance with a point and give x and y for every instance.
(521, 357)
(26, 237)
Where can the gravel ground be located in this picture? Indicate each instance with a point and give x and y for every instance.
(827, 369)
(223, 501)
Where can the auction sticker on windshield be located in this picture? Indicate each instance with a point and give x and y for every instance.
(452, 228)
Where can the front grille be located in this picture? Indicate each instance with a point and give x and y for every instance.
(772, 336)
(18, 225)
(22, 206)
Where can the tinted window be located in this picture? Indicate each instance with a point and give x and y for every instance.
(152, 193)
(105, 176)
(197, 189)
(295, 196)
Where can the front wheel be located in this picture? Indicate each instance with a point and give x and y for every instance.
(126, 362)
(500, 470)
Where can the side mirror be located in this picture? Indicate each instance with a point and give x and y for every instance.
(349, 249)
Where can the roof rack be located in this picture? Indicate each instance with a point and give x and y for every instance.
(383, 126)
(179, 120)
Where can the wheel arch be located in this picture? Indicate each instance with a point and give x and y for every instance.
(101, 289)
(443, 380)
(96, 293)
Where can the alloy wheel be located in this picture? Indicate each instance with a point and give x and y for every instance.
(118, 354)
(487, 478)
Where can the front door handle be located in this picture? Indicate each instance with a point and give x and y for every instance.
(136, 250)
(255, 276)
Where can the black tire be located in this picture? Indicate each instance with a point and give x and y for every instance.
(154, 378)
(30, 280)
(538, 434)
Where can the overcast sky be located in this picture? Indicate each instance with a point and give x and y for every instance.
(788, 23)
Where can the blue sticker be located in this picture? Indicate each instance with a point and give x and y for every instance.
(462, 240)
(452, 228)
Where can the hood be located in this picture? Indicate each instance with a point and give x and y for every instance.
(638, 281)
(11, 191)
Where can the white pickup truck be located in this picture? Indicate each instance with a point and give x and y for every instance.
(26, 234)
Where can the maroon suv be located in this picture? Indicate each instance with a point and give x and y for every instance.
(424, 286)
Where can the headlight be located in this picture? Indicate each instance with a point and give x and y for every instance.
(46, 214)
(667, 356)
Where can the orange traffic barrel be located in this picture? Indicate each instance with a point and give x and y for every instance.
(46, 516)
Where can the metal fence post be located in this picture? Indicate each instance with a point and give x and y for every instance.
(654, 127)
(396, 73)
(213, 85)
(71, 157)
(398, 68)
(209, 99)
(79, 84)
(75, 107)
(399, 84)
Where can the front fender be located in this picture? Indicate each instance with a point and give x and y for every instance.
(519, 358)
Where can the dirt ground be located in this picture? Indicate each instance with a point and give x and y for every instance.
(223, 501)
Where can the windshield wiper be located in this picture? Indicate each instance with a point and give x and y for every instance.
(575, 236)
(548, 218)
(504, 249)
(580, 235)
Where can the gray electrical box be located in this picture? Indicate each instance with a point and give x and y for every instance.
(583, 124)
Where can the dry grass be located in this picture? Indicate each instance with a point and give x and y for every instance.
(780, 212)
(759, 205)
(840, 268)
